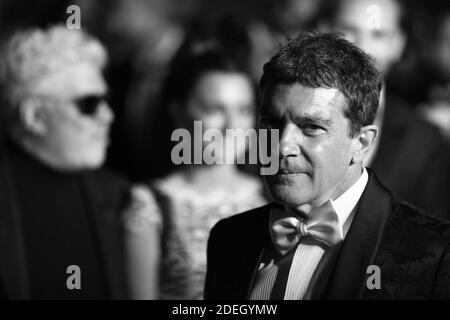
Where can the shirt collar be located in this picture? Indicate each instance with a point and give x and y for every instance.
(345, 204)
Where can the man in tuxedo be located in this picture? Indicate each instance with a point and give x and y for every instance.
(410, 157)
(334, 231)
(60, 224)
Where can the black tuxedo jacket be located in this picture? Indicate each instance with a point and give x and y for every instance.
(413, 160)
(411, 249)
(106, 193)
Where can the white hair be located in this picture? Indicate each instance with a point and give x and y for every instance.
(30, 55)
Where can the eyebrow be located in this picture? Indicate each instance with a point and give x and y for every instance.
(314, 118)
(303, 119)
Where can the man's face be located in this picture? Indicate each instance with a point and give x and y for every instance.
(77, 140)
(315, 147)
(374, 26)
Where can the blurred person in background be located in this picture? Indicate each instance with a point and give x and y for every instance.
(141, 36)
(432, 81)
(58, 209)
(208, 82)
(411, 157)
(280, 20)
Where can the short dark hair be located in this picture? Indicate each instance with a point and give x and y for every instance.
(327, 60)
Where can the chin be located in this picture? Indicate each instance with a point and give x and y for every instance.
(289, 195)
(93, 160)
(96, 163)
(92, 165)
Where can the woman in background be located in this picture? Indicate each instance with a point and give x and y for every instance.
(208, 82)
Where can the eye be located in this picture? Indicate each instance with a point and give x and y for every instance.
(311, 129)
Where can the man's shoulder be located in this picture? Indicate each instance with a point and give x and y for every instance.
(251, 216)
(414, 256)
(238, 225)
(107, 187)
(402, 220)
(410, 223)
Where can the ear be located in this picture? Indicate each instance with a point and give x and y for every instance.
(33, 116)
(363, 143)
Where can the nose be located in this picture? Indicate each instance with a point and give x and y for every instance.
(289, 146)
(228, 121)
(105, 114)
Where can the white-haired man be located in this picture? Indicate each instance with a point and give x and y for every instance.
(59, 213)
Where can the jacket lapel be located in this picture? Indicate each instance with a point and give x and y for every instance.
(250, 254)
(361, 244)
(107, 230)
(13, 270)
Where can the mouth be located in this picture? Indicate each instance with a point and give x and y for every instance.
(284, 171)
(290, 175)
(290, 167)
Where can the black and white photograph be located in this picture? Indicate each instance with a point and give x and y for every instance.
(218, 158)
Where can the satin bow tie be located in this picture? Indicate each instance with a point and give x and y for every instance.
(286, 228)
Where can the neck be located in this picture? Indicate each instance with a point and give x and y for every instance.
(41, 154)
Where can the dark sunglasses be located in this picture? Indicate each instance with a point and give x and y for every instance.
(88, 105)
